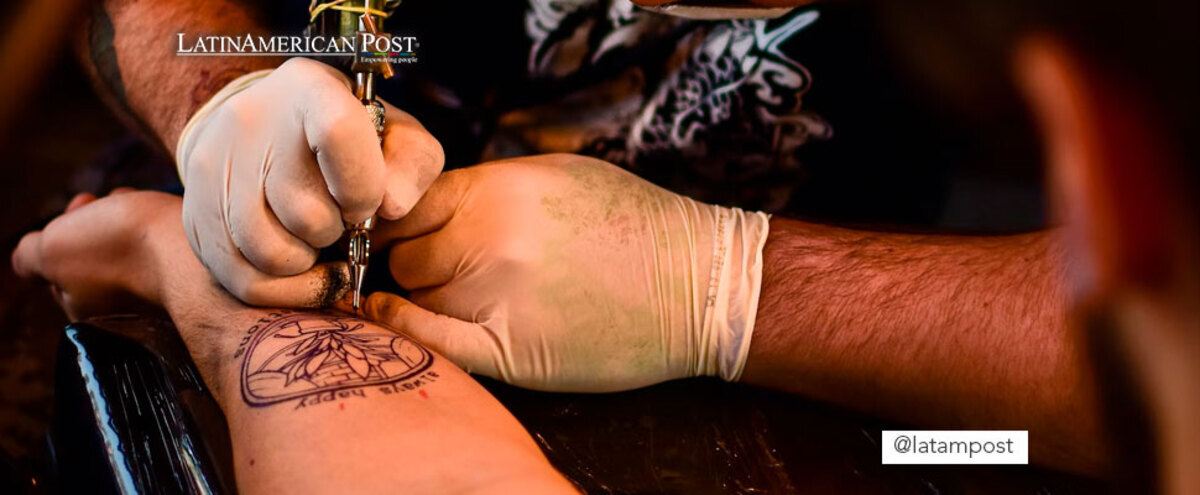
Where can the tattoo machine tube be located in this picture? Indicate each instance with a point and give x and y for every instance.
(361, 20)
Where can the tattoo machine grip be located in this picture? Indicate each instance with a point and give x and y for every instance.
(364, 89)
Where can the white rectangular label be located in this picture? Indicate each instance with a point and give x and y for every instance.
(955, 447)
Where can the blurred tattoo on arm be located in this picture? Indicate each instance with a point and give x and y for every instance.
(128, 47)
(102, 54)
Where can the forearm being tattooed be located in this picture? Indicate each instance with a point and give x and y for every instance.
(327, 403)
(324, 402)
(129, 49)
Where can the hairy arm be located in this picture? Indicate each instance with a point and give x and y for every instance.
(129, 49)
(939, 331)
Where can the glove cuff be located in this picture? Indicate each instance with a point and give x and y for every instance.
(734, 289)
(186, 141)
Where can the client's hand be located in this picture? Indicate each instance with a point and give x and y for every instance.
(562, 272)
(120, 252)
(96, 253)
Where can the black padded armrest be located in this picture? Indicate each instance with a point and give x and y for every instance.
(131, 414)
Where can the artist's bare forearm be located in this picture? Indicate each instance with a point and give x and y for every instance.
(129, 49)
(940, 331)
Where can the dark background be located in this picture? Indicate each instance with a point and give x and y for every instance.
(43, 157)
(64, 141)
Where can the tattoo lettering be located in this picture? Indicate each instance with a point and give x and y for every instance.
(322, 357)
(408, 386)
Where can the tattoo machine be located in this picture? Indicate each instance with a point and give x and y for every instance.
(360, 20)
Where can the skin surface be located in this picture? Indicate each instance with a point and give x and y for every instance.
(411, 433)
(952, 332)
(129, 49)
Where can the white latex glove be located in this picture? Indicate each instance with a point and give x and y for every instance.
(566, 273)
(276, 162)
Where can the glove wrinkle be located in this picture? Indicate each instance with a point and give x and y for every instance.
(585, 277)
(259, 204)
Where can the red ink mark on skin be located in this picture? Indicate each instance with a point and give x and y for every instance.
(341, 406)
(423, 394)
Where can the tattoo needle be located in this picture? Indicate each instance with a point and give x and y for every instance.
(364, 89)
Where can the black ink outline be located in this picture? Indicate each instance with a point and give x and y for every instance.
(275, 326)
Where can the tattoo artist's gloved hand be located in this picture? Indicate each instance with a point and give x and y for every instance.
(566, 273)
(276, 162)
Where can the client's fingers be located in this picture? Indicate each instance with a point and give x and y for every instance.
(79, 200)
(469, 345)
(121, 190)
(27, 258)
